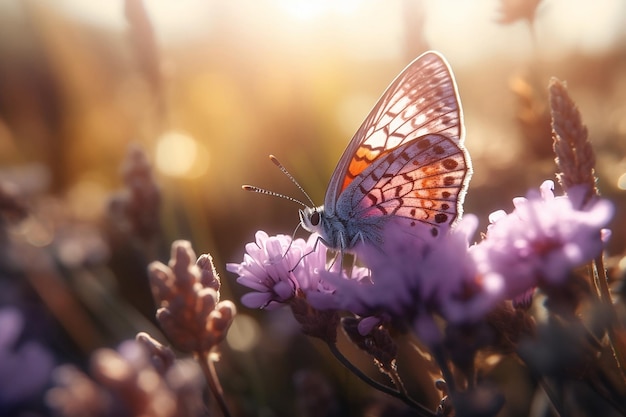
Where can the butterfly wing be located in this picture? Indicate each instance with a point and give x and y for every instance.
(419, 182)
(422, 100)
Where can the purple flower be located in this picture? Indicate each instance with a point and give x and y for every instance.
(25, 368)
(413, 277)
(540, 242)
(277, 268)
(316, 275)
(267, 269)
(451, 281)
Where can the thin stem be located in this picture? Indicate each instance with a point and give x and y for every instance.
(605, 296)
(440, 358)
(551, 394)
(208, 368)
(397, 381)
(601, 280)
(422, 411)
(470, 375)
(555, 402)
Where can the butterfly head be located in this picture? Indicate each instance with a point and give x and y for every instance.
(311, 218)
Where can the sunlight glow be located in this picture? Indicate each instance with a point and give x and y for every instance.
(87, 199)
(622, 264)
(35, 232)
(244, 333)
(313, 9)
(351, 110)
(179, 155)
(621, 182)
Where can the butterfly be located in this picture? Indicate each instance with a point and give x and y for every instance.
(406, 162)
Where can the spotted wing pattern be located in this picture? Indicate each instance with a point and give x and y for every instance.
(421, 181)
(422, 100)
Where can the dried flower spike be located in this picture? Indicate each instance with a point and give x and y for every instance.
(190, 313)
(161, 356)
(124, 382)
(209, 277)
(574, 155)
(136, 209)
(514, 10)
(144, 45)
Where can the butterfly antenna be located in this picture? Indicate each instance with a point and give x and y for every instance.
(259, 190)
(284, 170)
(293, 237)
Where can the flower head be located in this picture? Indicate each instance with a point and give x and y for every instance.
(278, 268)
(414, 276)
(290, 272)
(267, 268)
(191, 313)
(540, 241)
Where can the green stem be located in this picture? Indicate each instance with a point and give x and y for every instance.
(208, 368)
(421, 410)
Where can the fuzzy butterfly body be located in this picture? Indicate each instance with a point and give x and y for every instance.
(406, 162)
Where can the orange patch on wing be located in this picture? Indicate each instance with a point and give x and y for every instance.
(363, 157)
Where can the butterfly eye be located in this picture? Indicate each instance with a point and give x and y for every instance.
(315, 218)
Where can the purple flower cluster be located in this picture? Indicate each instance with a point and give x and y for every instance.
(415, 279)
(541, 241)
(277, 267)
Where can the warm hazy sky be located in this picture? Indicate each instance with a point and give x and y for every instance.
(451, 24)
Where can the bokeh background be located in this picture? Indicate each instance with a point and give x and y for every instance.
(92, 94)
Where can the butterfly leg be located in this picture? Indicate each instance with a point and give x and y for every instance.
(337, 255)
(317, 241)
